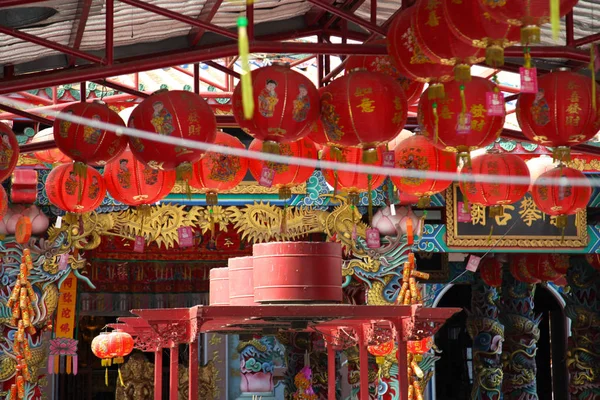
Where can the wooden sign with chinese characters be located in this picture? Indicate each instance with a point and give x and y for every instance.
(521, 225)
(67, 306)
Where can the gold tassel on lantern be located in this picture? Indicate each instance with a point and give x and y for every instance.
(370, 197)
(285, 193)
(436, 123)
(462, 73)
(211, 216)
(436, 91)
(212, 198)
(184, 173)
(494, 55)
(336, 153)
(561, 154)
(270, 147)
(370, 155)
(530, 34)
(424, 202)
(555, 18)
(496, 211)
(593, 70)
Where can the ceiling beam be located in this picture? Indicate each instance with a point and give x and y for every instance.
(209, 10)
(25, 114)
(222, 68)
(122, 88)
(353, 7)
(79, 25)
(349, 17)
(314, 15)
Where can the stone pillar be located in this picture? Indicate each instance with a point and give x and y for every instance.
(487, 334)
(583, 308)
(521, 335)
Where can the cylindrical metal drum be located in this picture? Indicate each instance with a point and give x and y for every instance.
(219, 287)
(241, 282)
(292, 272)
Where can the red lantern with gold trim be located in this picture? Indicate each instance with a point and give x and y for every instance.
(541, 266)
(417, 153)
(9, 151)
(528, 15)
(100, 349)
(474, 27)
(73, 192)
(432, 31)
(420, 346)
(3, 202)
(285, 103)
(442, 120)
(135, 184)
(502, 191)
(490, 271)
(363, 109)
(120, 345)
(177, 114)
(286, 176)
(383, 64)
(86, 144)
(218, 172)
(555, 194)
(406, 53)
(561, 113)
(560, 262)
(519, 269)
(352, 182)
(50, 156)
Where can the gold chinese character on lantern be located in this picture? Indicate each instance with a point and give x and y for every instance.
(572, 85)
(478, 111)
(574, 97)
(362, 91)
(573, 108)
(397, 103)
(194, 130)
(477, 125)
(397, 118)
(446, 113)
(572, 120)
(366, 105)
(433, 19)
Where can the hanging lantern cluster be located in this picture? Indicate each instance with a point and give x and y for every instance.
(535, 268)
(111, 348)
(75, 192)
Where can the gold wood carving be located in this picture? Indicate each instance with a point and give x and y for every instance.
(453, 239)
(243, 188)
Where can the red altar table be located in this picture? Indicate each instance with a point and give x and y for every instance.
(155, 329)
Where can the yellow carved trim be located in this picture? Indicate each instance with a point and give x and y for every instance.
(242, 188)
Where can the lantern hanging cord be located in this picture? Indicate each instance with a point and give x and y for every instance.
(300, 161)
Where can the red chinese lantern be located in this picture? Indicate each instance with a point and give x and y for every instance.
(285, 103)
(561, 113)
(3, 202)
(9, 151)
(538, 166)
(73, 192)
(432, 31)
(554, 193)
(541, 266)
(135, 184)
(490, 271)
(501, 191)
(593, 260)
(86, 144)
(100, 349)
(218, 172)
(383, 64)
(352, 182)
(406, 53)
(528, 15)
(472, 26)
(518, 268)
(420, 346)
(417, 153)
(177, 114)
(560, 262)
(363, 109)
(381, 350)
(50, 156)
(285, 176)
(463, 109)
(120, 345)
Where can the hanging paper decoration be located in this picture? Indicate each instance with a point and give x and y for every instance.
(217, 172)
(408, 57)
(9, 151)
(554, 193)
(179, 115)
(135, 184)
(383, 64)
(459, 122)
(86, 144)
(286, 103)
(75, 193)
(501, 191)
(50, 156)
(432, 31)
(303, 382)
(528, 15)
(418, 154)
(561, 113)
(363, 109)
(63, 347)
(476, 28)
(490, 271)
(285, 176)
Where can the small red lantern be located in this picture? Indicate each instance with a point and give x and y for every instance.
(219, 172)
(363, 109)
(86, 144)
(383, 64)
(9, 151)
(177, 114)
(540, 266)
(417, 153)
(285, 103)
(502, 191)
(285, 176)
(518, 268)
(442, 120)
(100, 349)
(561, 198)
(50, 156)
(528, 15)
(352, 182)
(120, 345)
(72, 192)
(134, 184)
(406, 53)
(490, 271)
(472, 26)
(420, 346)
(561, 113)
(436, 39)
